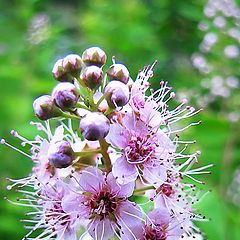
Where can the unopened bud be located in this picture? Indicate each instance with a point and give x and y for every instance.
(118, 72)
(118, 94)
(92, 76)
(94, 125)
(61, 154)
(44, 108)
(94, 56)
(67, 68)
(65, 95)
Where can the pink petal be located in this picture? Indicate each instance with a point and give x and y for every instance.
(91, 179)
(159, 216)
(117, 136)
(129, 217)
(120, 190)
(155, 176)
(101, 229)
(124, 171)
(69, 235)
(73, 204)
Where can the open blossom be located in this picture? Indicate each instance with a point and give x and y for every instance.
(161, 226)
(143, 151)
(104, 202)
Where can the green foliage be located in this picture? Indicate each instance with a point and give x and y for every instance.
(137, 32)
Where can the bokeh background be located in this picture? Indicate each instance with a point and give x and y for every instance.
(196, 43)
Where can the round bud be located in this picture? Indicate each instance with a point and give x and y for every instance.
(72, 64)
(94, 56)
(118, 94)
(58, 70)
(94, 125)
(66, 69)
(118, 72)
(92, 76)
(44, 108)
(65, 95)
(61, 154)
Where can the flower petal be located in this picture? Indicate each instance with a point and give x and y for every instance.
(91, 179)
(129, 217)
(117, 136)
(101, 229)
(124, 171)
(125, 190)
(73, 203)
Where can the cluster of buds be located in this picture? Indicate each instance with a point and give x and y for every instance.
(114, 145)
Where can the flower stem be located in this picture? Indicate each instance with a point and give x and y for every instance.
(82, 106)
(108, 111)
(143, 189)
(90, 152)
(67, 115)
(101, 99)
(107, 160)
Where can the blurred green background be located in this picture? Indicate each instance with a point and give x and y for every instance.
(34, 34)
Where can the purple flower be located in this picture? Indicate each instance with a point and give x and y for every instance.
(161, 226)
(144, 152)
(104, 202)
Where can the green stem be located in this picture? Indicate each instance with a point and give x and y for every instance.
(143, 189)
(106, 158)
(101, 99)
(108, 111)
(67, 115)
(90, 152)
(82, 106)
(91, 101)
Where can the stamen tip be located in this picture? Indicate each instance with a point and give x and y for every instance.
(2, 141)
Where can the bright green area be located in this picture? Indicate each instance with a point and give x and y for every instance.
(137, 32)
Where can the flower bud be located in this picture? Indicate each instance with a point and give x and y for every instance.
(118, 72)
(73, 64)
(44, 108)
(65, 95)
(61, 154)
(58, 70)
(94, 56)
(66, 69)
(94, 125)
(92, 76)
(118, 94)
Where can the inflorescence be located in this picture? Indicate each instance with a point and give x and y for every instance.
(106, 141)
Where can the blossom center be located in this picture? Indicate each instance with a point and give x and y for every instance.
(103, 204)
(56, 216)
(157, 232)
(166, 189)
(139, 149)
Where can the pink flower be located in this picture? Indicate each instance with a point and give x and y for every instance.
(104, 202)
(48, 215)
(145, 152)
(161, 226)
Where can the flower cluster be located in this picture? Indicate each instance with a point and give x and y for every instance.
(114, 167)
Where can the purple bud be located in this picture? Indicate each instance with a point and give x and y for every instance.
(61, 154)
(67, 68)
(44, 108)
(94, 56)
(72, 63)
(92, 76)
(118, 94)
(94, 125)
(65, 95)
(118, 72)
